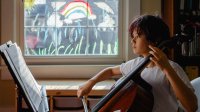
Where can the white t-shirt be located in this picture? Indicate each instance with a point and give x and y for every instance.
(164, 98)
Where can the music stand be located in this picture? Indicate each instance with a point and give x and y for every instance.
(33, 94)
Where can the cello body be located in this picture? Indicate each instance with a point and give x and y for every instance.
(131, 93)
(131, 98)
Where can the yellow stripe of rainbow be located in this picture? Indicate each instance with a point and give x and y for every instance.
(77, 6)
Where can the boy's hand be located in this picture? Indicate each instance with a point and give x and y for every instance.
(84, 89)
(159, 58)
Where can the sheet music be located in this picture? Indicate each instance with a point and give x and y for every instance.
(29, 82)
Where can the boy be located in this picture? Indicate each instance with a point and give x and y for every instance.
(169, 82)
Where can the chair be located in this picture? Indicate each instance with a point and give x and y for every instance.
(196, 85)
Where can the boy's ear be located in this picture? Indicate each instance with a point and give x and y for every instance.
(156, 43)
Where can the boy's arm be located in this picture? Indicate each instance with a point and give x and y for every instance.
(101, 76)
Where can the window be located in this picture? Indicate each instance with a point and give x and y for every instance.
(70, 30)
(69, 38)
(70, 27)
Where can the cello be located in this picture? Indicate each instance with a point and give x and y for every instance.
(131, 93)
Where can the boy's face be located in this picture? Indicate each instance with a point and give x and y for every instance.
(140, 44)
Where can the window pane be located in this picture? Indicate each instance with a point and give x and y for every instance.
(70, 27)
(72, 40)
(103, 41)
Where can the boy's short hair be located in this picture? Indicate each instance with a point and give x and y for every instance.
(153, 27)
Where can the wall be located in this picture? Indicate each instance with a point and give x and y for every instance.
(7, 94)
(151, 7)
(7, 87)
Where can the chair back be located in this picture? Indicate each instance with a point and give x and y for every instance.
(196, 85)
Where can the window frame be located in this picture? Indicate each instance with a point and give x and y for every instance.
(82, 59)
